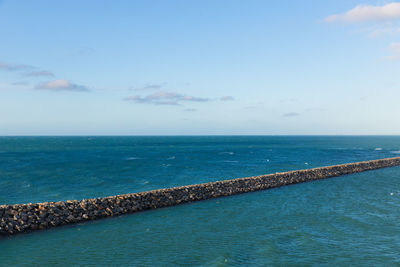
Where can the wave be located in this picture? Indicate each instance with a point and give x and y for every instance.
(171, 158)
(395, 152)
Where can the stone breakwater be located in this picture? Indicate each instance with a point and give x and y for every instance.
(34, 216)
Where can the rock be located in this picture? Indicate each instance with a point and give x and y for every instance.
(70, 218)
(32, 216)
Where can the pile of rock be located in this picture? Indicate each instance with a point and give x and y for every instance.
(26, 217)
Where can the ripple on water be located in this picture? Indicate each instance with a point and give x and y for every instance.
(349, 220)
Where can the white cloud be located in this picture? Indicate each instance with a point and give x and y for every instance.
(84, 50)
(39, 73)
(62, 85)
(14, 67)
(394, 48)
(291, 114)
(227, 98)
(149, 87)
(165, 98)
(23, 83)
(384, 31)
(152, 86)
(364, 13)
(33, 72)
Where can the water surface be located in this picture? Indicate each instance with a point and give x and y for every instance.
(346, 220)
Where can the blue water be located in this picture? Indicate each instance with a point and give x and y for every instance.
(341, 221)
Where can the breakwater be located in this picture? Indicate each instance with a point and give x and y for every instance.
(20, 218)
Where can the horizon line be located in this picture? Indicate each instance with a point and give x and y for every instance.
(188, 135)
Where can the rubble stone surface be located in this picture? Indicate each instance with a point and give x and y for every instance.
(20, 218)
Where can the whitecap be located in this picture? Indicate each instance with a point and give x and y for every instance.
(132, 158)
(228, 153)
(171, 158)
(395, 152)
(306, 163)
(378, 148)
(231, 161)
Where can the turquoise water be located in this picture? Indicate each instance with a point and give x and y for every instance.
(341, 221)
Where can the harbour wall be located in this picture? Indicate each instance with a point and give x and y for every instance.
(20, 218)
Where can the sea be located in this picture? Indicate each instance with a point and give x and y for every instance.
(344, 221)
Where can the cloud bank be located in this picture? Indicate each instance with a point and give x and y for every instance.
(365, 13)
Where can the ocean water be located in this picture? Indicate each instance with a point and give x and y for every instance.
(349, 220)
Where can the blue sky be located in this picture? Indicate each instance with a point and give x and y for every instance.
(199, 67)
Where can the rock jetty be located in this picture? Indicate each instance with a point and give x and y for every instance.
(21, 218)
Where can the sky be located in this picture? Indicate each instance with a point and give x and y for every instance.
(288, 67)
